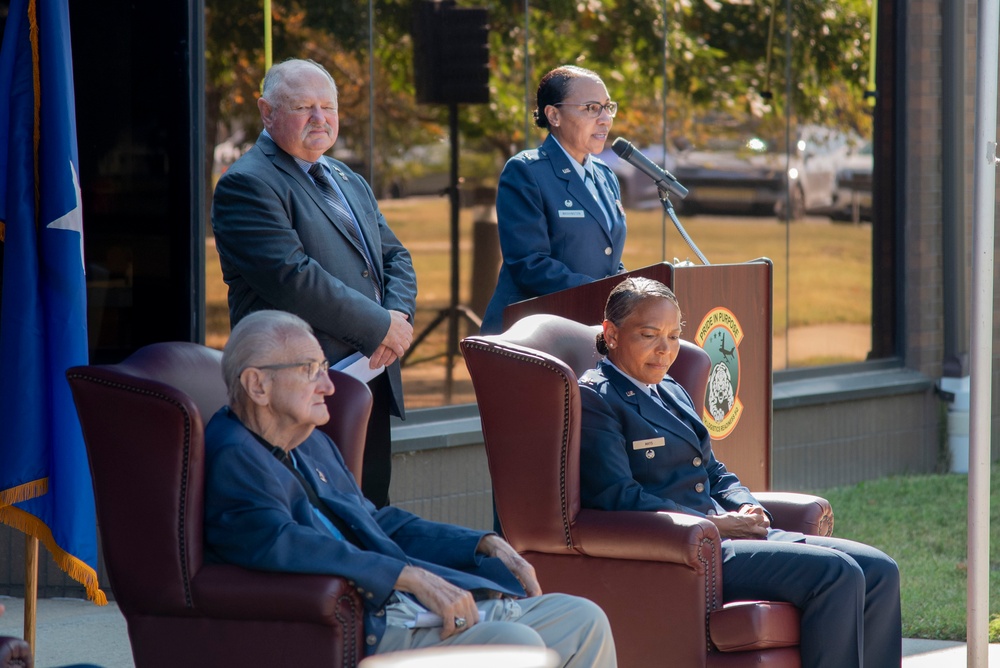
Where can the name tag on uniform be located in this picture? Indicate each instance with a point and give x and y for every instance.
(571, 213)
(648, 443)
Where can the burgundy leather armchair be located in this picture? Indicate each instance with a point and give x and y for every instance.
(658, 576)
(143, 423)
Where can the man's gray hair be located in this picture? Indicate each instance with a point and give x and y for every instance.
(275, 78)
(255, 339)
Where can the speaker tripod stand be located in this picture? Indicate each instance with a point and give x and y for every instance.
(455, 310)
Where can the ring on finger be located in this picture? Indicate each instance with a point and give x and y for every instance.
(460, 622)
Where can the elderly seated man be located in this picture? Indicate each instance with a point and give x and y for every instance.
(279, 497)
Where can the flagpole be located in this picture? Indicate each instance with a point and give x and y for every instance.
(30, 589)
(268, 54)
(981, 359)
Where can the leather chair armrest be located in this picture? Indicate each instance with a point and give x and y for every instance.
(15, 653)
(793, 511)
(754, 625)
(648, 536)
(232, 592)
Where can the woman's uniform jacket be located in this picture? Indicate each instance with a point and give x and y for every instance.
(257, 515)
(553, 234)
(636, 455)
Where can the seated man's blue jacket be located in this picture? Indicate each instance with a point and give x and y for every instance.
(257, 515)
(636, 455)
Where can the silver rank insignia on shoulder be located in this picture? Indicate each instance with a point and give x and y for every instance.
(344, 177)
(321, 476)
(650, 454)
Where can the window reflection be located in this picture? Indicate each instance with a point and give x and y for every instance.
(757, 108)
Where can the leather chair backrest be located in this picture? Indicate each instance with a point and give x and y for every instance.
(526, 388)
(145, 442)
(574, 344)
(350, 405)
(143, 422)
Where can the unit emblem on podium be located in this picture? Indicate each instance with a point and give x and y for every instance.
(720, 334)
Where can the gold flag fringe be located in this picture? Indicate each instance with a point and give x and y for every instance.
(21, 493)
(76, 569)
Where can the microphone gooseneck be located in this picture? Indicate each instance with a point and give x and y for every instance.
(633, 156)
(665, 181)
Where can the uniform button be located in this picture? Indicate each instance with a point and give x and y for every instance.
(361, 590)
(350, 583)
(380, 613)
(365, 273)
(371, 639)
(369, 596)
(696, 461)
(699, 488)
(607, 251)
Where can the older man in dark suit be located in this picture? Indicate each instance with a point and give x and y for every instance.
(278, 497)
(300, 232)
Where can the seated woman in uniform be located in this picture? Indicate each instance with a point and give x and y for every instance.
(848, 592)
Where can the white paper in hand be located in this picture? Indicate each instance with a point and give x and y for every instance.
(356, 365)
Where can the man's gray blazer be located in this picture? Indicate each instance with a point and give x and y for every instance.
(281, 247)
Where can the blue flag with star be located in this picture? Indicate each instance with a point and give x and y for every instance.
(45, 487)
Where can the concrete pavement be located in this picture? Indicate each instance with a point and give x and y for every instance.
(74, 632)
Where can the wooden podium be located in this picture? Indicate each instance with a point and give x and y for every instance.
(727, 310)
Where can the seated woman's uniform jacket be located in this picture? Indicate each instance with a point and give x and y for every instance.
(637, 455)
(553, 234)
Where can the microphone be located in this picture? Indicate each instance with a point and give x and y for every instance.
(664, 179)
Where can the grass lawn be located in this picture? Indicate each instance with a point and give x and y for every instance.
(827, 266)
(920, 521)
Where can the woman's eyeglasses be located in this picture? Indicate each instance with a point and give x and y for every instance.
(593, 109)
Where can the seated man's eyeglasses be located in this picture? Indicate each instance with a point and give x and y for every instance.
(313, 368)
(593, 109)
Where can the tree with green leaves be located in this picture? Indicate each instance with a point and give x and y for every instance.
(686, 59)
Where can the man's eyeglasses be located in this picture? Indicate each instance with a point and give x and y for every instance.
(313, 369)
(593, 109)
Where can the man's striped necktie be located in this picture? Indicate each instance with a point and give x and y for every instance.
(339, 207)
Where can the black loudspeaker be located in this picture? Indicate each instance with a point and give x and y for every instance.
(451, 54)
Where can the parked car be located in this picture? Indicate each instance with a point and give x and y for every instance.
(744, 173)
(852, 195)
(750, 173)
(737, 174)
